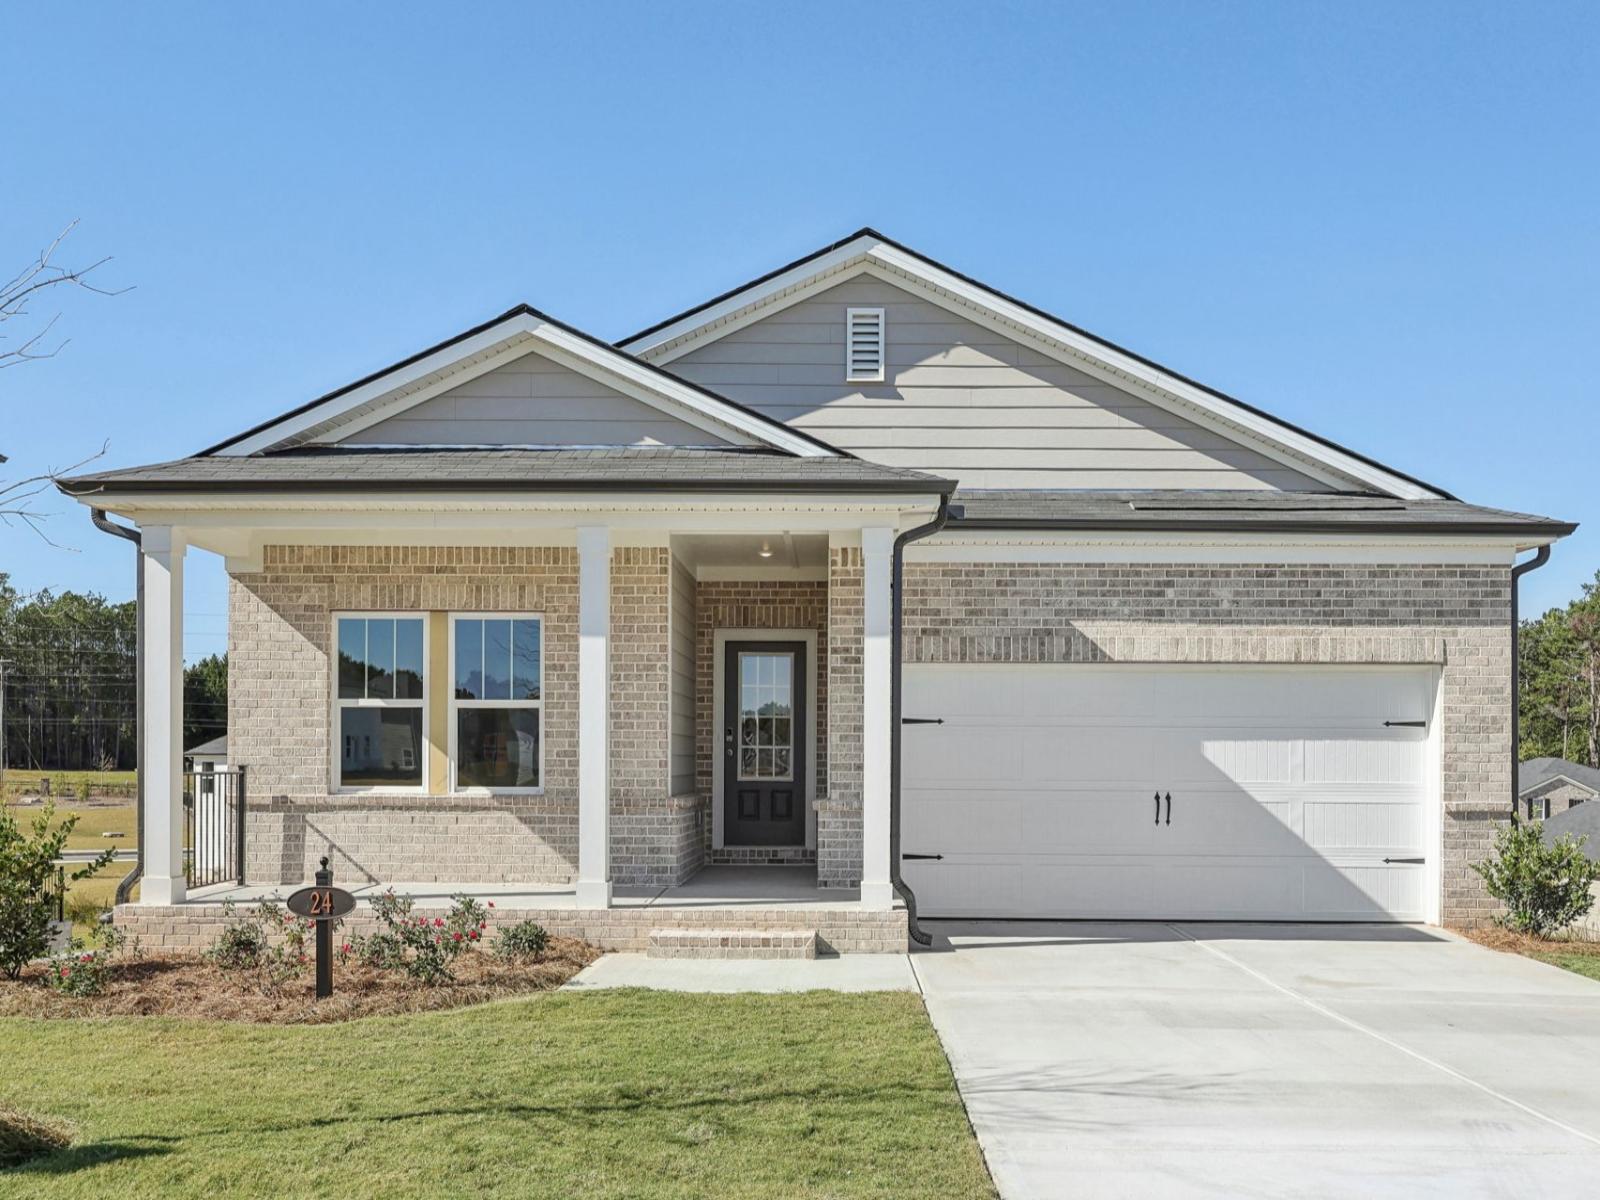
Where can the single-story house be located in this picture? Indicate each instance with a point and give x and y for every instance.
(1548, 786)
(864, 573)
(209, 755)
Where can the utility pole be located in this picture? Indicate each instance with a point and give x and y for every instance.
(3, 665)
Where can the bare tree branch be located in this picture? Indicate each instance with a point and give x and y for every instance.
(16, 499)
(38, 276)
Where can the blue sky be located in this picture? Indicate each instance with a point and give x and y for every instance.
(1379, 221)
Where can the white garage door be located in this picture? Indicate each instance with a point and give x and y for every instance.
(1290, 798)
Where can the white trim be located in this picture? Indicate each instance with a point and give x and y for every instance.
(455, 704)
(719, 641)
(594, 711)
(851, 316)
(1207, 548)
(1557, 778)
(648, 385)
(877, 545)
(867, 254)
(1433, 806)
(337, 704)
(161, 551)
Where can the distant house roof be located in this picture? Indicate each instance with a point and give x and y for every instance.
(477, 468)
(1223, 511)
(1580, 821)
(1537, 772)
(216, 748)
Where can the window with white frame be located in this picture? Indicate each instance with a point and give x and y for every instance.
(496, 702)
(380, 700)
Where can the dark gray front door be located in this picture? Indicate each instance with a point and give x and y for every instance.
(763, 744)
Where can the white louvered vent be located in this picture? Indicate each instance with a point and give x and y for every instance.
(863, 349)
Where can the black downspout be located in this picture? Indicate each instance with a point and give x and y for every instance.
(896, 662)
(1517, 572)
(98, 516)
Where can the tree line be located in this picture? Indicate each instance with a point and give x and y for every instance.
(70, 698)
(1559, 661)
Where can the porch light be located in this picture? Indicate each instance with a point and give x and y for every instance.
(766, 548)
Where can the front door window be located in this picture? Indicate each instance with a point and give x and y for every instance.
(766, 711)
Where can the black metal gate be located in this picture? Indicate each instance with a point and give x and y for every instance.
(213, 826)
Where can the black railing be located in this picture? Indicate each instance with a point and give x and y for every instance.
(213, 826)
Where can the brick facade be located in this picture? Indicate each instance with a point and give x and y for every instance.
(1457, 617)
(1552, 797)
(839, 811)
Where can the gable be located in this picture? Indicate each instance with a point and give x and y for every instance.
(534, 401)
(965, 401)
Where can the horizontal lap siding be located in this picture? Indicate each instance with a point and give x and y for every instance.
(532, 401)
(1456, 617)
(962, 400)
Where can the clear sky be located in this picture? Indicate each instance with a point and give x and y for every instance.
(1377, 220)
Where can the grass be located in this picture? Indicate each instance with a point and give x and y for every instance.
(94, 820)
(1578, 953)
(602, 1094)
(24, 1136)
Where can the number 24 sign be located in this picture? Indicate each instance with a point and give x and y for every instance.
(321, 903)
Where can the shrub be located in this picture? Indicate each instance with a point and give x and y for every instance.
(27, 873)
(1545, 887)
(525, 941)
(267, 944)
(84, 970)
(427, 945)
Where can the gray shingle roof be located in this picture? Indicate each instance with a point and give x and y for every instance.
(217, 747)
(1221, 511)
(1537, 772)
(670, 469)
(1580, 822)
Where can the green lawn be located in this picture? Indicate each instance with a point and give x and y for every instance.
(613, 1094)
(94, 820)
(1581, 964)
(64, 784)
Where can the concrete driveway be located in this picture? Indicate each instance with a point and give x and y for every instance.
(1137, 1059)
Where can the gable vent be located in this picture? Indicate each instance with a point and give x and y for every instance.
(863, 337)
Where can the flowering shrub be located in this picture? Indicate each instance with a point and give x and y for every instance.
(421, 946)
(523, 942)
(267, 943)
(85, 970)
(27, 883)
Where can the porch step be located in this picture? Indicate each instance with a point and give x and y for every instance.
(732, 943)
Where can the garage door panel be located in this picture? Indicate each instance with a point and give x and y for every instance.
(1288, 791)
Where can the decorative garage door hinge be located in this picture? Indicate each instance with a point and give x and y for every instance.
(1405, 724)
(922, 720)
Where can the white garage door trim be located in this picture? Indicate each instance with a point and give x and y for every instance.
(1289, 792)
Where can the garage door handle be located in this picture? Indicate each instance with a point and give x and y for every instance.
(1169, 808)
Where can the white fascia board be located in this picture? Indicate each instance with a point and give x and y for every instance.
(518, 335)
(291, 427)
(704, 319)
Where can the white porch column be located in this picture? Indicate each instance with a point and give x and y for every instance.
(877, 549)
(594, 694)
(162, 735)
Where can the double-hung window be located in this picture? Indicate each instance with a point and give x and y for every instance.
(380, 701)
(496, 736)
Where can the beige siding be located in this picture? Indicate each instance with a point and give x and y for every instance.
(962, 400)
(683, 680)
(532, 401)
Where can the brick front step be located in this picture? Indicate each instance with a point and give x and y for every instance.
(732, 943)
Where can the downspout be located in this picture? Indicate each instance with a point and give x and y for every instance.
(1517, 572)
(896, 663)
(98, 516)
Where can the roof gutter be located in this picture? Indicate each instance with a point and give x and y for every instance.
(1517, 572)
(105, 525)
(896, 664)
(1234, 525)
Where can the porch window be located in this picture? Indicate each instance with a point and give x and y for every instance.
(496, 702)
(380, 701)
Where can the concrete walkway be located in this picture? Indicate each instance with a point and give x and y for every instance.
(845, 973)
(1158, 1060)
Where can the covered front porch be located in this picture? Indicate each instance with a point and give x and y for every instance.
(649, 741)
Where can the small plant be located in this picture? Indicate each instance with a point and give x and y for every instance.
(427, 945)
(267, 944)
(1545, 887)
(85, 970)
(83, 790)
(27, 873)
(526, 941)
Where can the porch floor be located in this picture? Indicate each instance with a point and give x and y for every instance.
(783, 887)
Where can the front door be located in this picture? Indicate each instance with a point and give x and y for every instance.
(763, 744)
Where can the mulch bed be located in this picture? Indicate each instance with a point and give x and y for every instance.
(24, 1136)
(1497, 938)
(170, 985)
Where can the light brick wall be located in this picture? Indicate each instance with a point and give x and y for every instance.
(839, 811)
(754, 604)
(641, 674)
(1454, 616)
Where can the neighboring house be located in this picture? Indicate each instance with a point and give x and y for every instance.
(1548, 786)
(209, 755)
(532, 608)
